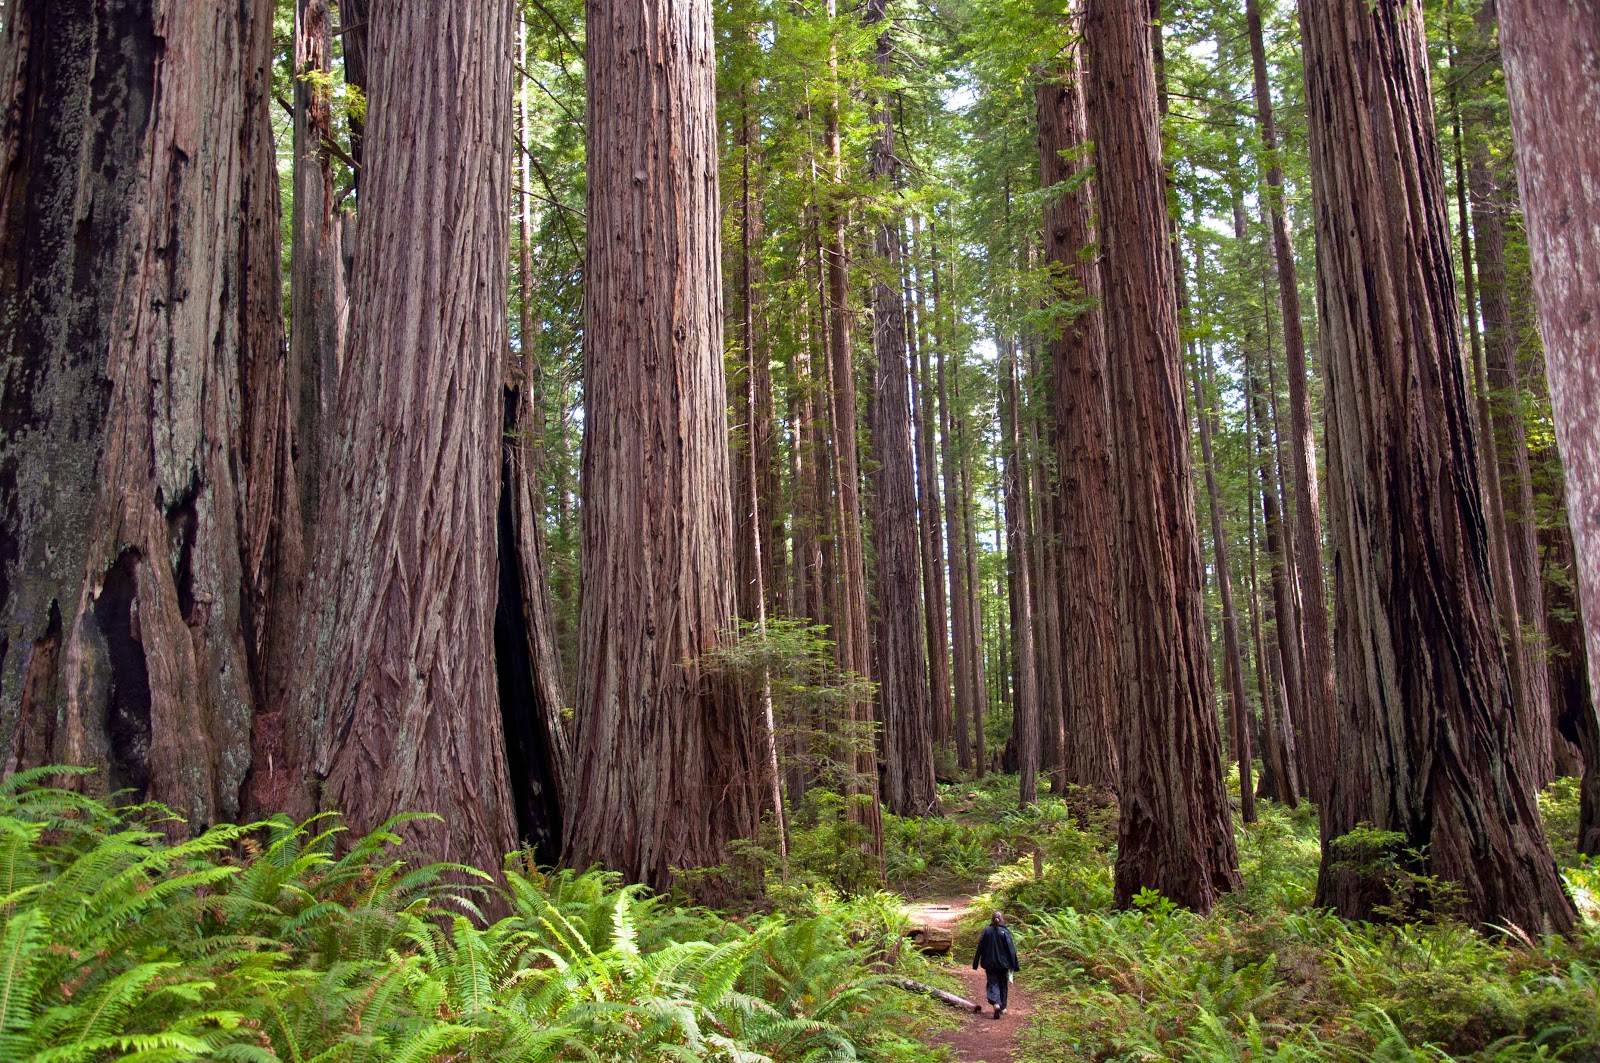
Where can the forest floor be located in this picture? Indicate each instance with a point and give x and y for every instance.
(979, 1038)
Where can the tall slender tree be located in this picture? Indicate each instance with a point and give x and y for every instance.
(1425, 692)
(1175, 835)
(902, 673)
(1315, 698)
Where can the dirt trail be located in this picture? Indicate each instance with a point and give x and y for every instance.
(979, 1038)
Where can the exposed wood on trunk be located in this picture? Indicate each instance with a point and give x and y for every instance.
(1175, 834)
(1081, 414)
(138, 217)
(398, 687)
(1424, 689)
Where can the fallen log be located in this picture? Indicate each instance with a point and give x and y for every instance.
(938, 994)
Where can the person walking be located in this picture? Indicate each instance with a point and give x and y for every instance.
(997, 955)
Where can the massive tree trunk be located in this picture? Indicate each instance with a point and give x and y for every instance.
(668, 769)
(138, 211)
(902, 671)
(1175, 834)
(398, 688)
(1424, 688)
(1551, 52)
(1025, 714)
(1082, 433)
(1315, 697)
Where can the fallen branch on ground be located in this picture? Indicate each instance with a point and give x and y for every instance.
(938, 994)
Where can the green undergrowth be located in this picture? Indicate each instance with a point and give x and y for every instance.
(1269, 977)
(294, 942)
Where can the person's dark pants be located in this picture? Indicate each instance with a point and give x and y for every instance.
(999, 986)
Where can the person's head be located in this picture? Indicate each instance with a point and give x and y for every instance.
(997, 919)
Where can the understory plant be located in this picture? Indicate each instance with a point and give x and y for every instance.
(295, 941)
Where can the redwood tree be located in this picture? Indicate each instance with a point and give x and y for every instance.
(138, 286)
(1424, 687)
(398, 690)
(1551, 52)
(1175, 835)
(667, 769)
(1082, 437)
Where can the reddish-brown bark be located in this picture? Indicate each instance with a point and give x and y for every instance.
(1313, 703)
(398, 691)
(931, 535)
(1025, 707)
(1082, 432)
(138, 210)
(1424, 688)
(668, 768)
(902, 663)
(1175, 834)
(1551, 52)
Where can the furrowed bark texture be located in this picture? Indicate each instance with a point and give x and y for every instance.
(398, 678)
(902, 671)
(937, 613)
(1025, 714)
(275, 546)
(1552, 60)
(667, 769)
(317, 299)
(1175, 834)
(129, 196)
(1315, 700)
(1087, 581)
(852, 640)
(1424, 688)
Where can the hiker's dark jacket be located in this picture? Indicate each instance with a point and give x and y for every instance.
(996, 951)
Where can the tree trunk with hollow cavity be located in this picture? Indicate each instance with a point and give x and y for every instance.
(146, 456)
